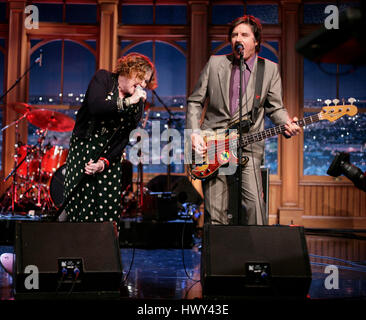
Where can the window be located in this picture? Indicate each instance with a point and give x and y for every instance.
(170, 64)
(81, 13)
(52, 85)
(225, 14)
(149, 14)
(171, 14)
(348, 134)
(137, 14)
(50, 12)
(314, 12)
(71, 13)
(44, 84)
(267, 14)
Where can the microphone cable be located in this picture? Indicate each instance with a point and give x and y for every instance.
(61, 281)
(183, 259)
(77, 273)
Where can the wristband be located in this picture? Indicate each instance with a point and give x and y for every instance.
(106, 162)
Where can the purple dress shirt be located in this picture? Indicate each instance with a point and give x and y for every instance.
(235, 82)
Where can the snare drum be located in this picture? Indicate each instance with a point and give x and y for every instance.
(30, 167)
(53, 159)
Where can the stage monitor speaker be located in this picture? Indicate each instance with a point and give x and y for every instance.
(254, 262)
(67, 260)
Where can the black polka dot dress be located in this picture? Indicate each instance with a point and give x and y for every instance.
(98, 198)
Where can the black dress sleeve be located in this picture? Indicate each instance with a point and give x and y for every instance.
(98, 100)
(130, 121)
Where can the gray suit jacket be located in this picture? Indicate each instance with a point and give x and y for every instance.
(214, 83)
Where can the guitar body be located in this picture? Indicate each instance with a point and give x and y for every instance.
(219, 154)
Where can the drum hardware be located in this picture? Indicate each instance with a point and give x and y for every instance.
(35, 165)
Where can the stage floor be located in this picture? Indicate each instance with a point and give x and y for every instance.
(175, 273)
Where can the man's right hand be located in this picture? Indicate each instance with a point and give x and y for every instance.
(198, 144)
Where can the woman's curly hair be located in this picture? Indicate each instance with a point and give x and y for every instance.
(139, 65)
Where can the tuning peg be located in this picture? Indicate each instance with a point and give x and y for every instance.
(335, 101)
(327, 102)
(351, 100)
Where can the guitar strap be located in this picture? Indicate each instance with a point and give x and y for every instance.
(258, 89)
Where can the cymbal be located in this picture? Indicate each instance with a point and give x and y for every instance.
(21, 107)
(51, 120)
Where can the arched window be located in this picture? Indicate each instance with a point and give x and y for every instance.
(170, 63)
(67, 68)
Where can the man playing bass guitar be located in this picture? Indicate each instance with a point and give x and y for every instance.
(219, 83)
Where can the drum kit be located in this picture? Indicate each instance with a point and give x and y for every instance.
(38, 172)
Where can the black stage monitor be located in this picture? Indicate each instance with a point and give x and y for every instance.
(254, 262)
(73, 260)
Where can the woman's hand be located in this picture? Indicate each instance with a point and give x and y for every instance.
(94, 167)
(137, 95)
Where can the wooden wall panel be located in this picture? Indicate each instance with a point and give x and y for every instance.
(327, 205)
(274, 202)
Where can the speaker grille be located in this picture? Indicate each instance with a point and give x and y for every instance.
(42, 244)
(228, 249)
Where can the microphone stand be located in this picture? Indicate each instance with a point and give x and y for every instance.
(240, 168)
(169, 124)
(38, 60)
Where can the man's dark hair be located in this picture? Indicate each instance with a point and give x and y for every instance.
(255, 25)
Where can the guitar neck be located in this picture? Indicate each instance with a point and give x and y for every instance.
(274, 131)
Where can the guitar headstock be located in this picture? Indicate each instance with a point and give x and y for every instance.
(332, 113)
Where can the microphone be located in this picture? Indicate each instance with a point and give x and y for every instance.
(139, 88)
(239, 48)
(39, 59)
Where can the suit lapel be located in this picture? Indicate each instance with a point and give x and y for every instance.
(224, 72)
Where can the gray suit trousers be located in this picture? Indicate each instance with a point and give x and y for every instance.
(221, 194)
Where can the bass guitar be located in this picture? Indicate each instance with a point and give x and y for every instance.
(222, 148)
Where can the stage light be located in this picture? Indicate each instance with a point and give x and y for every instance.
(341, 165)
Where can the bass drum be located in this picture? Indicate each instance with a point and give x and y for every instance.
(56, 187)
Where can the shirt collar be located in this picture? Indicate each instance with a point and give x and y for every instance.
(249, 63)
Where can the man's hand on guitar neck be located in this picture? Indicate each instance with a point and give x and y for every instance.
(292, 129)
(198, 144)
